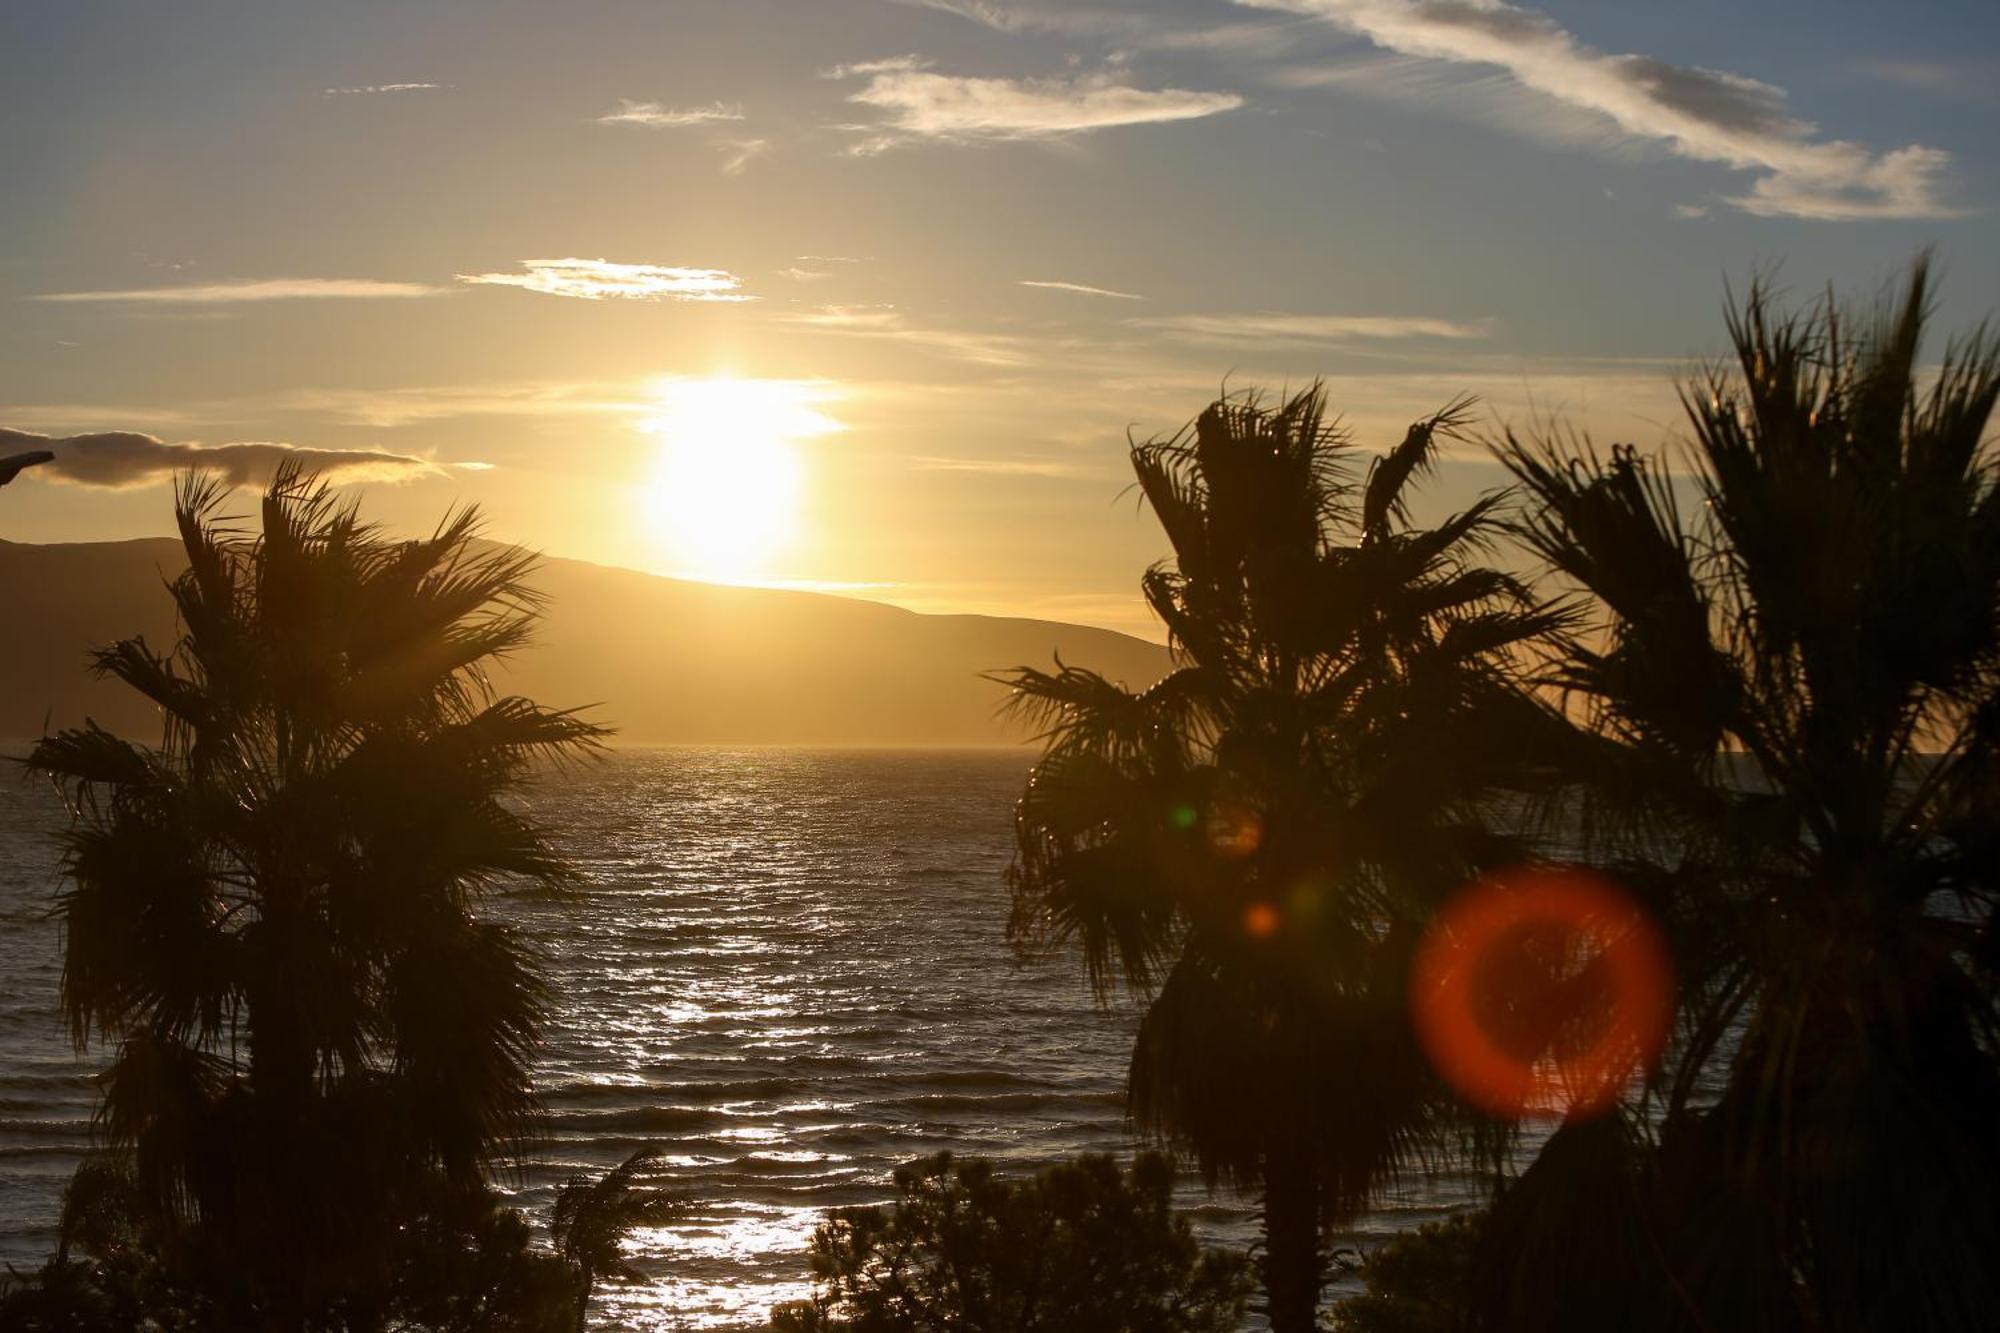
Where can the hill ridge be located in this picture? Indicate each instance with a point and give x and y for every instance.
(670, 661)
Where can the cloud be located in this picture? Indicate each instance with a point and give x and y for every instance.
(1014, 467)
(1080, 289)
(1969, 80)
(656, 115)
(600, 279)
(1270, 326)
(372, 88)
(887, 65)
(797, 274)
(741, 153)
(118, 459)
(411, 405)
(1145, 30)
(1012, 18)
(1702, 114)
(890, 324)
(258, 289)
(924, 105)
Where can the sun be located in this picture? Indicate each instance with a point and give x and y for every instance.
(725, 496)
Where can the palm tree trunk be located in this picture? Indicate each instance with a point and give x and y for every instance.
(1291, 1233)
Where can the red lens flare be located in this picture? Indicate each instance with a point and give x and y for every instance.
(1540, 992)
(1260, 921)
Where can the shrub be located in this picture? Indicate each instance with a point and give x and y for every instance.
(1078, 1245)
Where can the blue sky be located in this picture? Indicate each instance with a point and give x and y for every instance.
(974, 241)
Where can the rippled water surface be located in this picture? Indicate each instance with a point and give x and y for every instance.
(789, 971)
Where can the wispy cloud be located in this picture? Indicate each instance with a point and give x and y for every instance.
(922, 104)
(657, 115)
(256, 289)
(369, 89)
(886, 65)
(740, 153)
(1701, 114)
(1014, 467)
(390, 408)
(601, 279)
(118, 459)
(888, 323)
(1081, 289)
(846, 318)
(1019, 18)
(797, 274)
(1968, 80)
(1148, 30)
(1271, 326)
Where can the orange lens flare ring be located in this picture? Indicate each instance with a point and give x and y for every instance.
(1540, 992)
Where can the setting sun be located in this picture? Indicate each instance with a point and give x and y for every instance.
(725, 494)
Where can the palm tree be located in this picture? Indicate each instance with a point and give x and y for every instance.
(1253, 843)
(1795, 687)
(592, 1218)
(270, 916)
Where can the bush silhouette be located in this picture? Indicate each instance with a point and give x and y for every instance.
(1078, 1246)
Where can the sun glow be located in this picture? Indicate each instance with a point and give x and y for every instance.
(726, 494)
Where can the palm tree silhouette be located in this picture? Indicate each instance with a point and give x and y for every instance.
(1253, 843)
(1796, 690)
(592, 1218)
(270, 915)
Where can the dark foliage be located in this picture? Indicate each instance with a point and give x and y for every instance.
(592, 1218)
(318, 1043)
(1794, 689)
(1078, 1246)
(1419, 1282)
(462, 1264)
(1254, 843)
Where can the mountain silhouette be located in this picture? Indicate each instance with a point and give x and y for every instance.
(665, 661)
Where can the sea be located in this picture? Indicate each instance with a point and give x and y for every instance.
(787, 970)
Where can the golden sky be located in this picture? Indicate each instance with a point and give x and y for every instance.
(865, 295)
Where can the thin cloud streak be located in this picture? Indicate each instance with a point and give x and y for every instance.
(657, 115)
(371, 89)
(1080, 289)
(889, 324)
(1701, 114)
(260, 289)
(1971, 80)
(391, 408)
(601, 279)
(741, 153)
(1278, 327)
(1143, 31)
(1014, 467)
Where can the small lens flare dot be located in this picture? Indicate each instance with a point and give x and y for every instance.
(1541, 992)
(1185, 817)
(1260, 921)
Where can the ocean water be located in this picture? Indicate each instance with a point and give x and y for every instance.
(788, 971)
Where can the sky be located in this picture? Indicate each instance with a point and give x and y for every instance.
(866, 295)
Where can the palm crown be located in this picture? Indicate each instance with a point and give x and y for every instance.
(1254, 841)
(1793, 689)
(270, 915)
